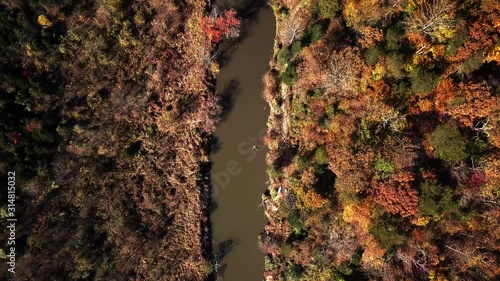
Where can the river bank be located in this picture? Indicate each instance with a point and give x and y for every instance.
(107, 113)
(373, 143)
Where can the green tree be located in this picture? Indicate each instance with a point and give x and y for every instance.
(448, 143)
(315, 32)
(383, 169)
(296, 222)
(436, 200)
(284, 56)
(328, 8)
(395, 64)
(393, 38)
(320, 156)
(296, 47)
(373, 54)
(387, 231)
(423, 81)
(290, 75)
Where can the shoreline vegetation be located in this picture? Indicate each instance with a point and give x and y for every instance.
(383, 141)
(108, 108)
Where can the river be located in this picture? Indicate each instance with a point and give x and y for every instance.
(238, 171)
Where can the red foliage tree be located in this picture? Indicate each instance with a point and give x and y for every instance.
(477, 179)
(14, 137)
(26, 73)
(218, 25)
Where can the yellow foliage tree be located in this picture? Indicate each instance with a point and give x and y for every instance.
(357, 213)
(309, 198)
(373, 252)
(494, 55)
(44, 21)
(492, 171)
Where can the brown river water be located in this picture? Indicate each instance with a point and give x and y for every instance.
(238, 171)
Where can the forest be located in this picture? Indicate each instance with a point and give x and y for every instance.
(383, 138)
(107, 110)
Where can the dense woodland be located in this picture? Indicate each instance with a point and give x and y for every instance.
(384, 140)
(107, 108)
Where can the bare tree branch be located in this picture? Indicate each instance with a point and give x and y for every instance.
(343, 71)
(431, 16)
(292, 28)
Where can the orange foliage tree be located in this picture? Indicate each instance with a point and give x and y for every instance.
(370, 36)
(494, 129)
(473, 102)
(492, 172)
(397, 196)
(359, 13)
(469, 55)
(445, 91)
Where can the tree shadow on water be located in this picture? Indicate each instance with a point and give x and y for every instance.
(228, 95)
(213, 206)
(214, 144)
(221, 250)
(221, 269)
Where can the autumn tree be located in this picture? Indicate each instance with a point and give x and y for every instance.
(415, 257)
(445, 91)
(384, 121)
(217, 25)
(371, 36)
(291, 28)
(473, 103)
(471, 53)
(344, 69)
(360, 13)
(433, 17)
(493, 129)
(340, 239)
(312, 68)
(477, 179)
(492, 173)
(474, 252)
(396, 195)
